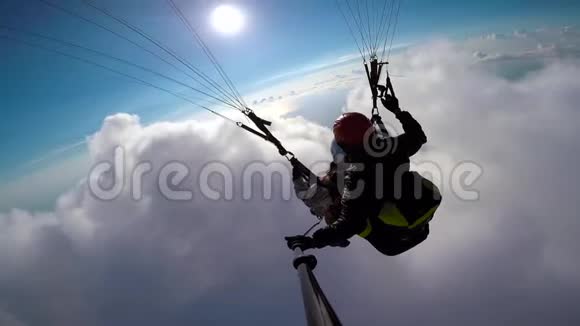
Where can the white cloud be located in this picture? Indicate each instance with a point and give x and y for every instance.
(499, 260)
(521, 44)
(181, 250)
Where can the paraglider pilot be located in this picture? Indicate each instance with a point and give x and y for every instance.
(370, 194)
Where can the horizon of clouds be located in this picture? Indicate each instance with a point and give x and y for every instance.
(191, 259)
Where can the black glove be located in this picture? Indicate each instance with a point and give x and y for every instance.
(300, 241)
(341, 244)
(391, 103)
(321, 240)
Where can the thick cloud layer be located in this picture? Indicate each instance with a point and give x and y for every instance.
(154, 260)
(507, 258)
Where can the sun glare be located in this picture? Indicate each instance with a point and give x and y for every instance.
(227, 20)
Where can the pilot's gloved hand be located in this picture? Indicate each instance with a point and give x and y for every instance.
(322, 239)
(341, 244)
(391, 103)
(301, 241)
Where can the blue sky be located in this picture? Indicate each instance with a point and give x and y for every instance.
(50, 102)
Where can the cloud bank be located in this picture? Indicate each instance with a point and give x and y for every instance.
(508, 258)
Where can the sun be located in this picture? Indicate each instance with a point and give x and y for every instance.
(227, 19)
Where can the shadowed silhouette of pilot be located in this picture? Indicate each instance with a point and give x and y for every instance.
(371, 194)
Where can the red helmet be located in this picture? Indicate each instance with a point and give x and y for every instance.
(350, 129)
